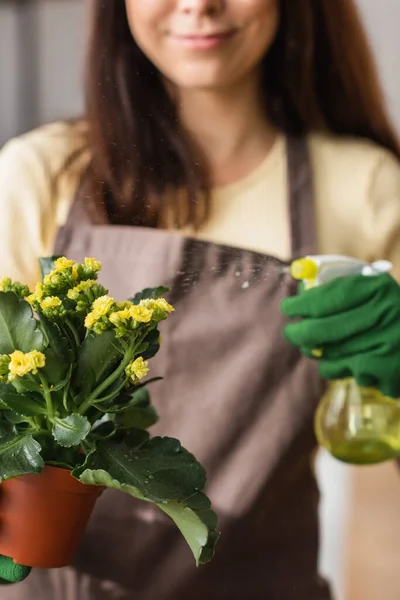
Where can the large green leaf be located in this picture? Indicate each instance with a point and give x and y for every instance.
(18, 328)
(160, 468)
(71, 431)
(23, 404)
(19, 453)
(22, 397)
(97, 356)
(162, 472)
(197, 525)
(149, 294)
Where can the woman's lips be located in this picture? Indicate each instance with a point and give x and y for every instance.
(202, 42)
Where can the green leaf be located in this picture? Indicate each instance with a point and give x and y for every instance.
(19, 453)
(47, 264)
(23, 404)
(58, 342)
(139, 418)
(153, 341)
(149, 294)
(104, 430)
(135, 409)
(159, 471)
(160, 468)
(18, 328)
(25, 384)
(61, 384)
(71, 431)
(54, 370)
(97, 357)
(14, 418)
(198, 527)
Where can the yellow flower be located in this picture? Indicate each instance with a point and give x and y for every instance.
(93, 264)
(89, 321)
(37, 359)
(137, 369)
(122, 305)
(53, 278)
(50, 302)
(158, 304)
(121, 316)
(5, 283)
(21, 363)
(31, 299)
(63, 263)
(141, 314)
(39, 291)
(101, 306)
(83, 286)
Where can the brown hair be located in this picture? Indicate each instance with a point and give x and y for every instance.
(318, 75)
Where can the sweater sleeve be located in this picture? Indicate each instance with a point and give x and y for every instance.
(24, 208)
(34, 198)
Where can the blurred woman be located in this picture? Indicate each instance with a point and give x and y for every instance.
(220, 139)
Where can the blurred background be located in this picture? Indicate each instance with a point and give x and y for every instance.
(41, 59)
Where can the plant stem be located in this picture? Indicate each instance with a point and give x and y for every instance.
(32, 422)
(47, 397)
(114, 375)
(114, 393)
(73, 331)
(45, 432)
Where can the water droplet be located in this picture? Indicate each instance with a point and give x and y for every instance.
(237, 273)
(151, 476)
(245, 285)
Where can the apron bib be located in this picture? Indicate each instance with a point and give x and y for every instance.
(236, 394)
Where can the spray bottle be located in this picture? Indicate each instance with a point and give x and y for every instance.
(357, 425)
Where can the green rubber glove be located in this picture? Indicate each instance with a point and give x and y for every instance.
(355, 321)
(10, 572)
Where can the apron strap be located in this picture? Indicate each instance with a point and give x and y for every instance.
(301, 197)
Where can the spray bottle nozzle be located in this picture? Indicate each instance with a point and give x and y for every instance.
(320, 269)
(303, 268)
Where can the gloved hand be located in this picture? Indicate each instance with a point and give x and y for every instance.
(10, 572)
(355, 321)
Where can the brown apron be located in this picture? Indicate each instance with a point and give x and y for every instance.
(237, 396)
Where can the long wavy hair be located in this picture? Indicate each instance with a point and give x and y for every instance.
(318, 75)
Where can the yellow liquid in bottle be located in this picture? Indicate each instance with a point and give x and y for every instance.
(358, 425)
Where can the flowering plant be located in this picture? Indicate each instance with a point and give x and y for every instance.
(71, 363)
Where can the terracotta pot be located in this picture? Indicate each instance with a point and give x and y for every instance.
(42, 517)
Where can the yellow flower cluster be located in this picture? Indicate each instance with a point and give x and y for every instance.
(158, 304)
(50, 302)
(66, 275)
(7, 285)
(137, 369)
(83, 286)
(100, 308)
(53, 308)
(125, 316)
(21, 363)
